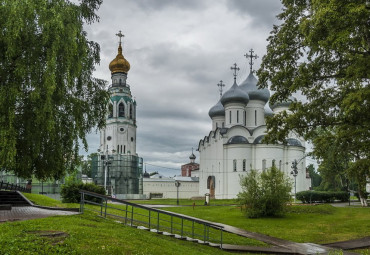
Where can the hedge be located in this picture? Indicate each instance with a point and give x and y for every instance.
(310, 196)
(70, 193)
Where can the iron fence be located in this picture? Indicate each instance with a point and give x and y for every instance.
(155, 220)
(11, 186)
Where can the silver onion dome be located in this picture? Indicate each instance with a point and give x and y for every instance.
(235, 94)
(217, 110)
(255, 93)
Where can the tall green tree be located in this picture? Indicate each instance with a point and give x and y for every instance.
(315, 177)
(321, 49)
(49, 99)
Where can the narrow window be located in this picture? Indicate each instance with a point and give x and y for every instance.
(223, 124)
(124, 149)
(130, 111)
(120, 81)
(245, 118)
(244, 164)
(216, 125)
(230, 116)
(110, 111)
(255, 117)
(118, 149)
(121, 149)
(273, 162)
(237, 117)
(121, 110)
(280, 165)
(264, 164)
(234, 165)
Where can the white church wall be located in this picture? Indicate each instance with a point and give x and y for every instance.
(165, 188)
(255, 113)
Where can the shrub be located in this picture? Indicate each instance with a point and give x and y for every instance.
(70, 192)
(310, 196)
(266, 193)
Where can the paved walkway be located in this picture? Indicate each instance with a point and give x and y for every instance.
(29, 212)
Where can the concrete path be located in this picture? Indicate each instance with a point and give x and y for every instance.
(29, 212)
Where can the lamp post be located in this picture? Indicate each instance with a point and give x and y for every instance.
(177, 184)
(294, 172)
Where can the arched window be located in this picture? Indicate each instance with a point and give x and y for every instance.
(280, 163)
(230, 116)
(244, 164)
(110, 111)
(245, 118)
(120, 81)
(121, 110)
(234, 165)
(130, 111)
(237, 117)
(264, 164)
(273, 162)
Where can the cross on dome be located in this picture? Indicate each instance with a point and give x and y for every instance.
(120, 35)
(220, 85)
(251, 56)
(235, 68)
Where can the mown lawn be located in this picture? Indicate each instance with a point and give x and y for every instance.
(303, 223)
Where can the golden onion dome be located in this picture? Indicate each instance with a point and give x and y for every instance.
(119, 64)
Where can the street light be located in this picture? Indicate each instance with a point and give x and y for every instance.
(294, 172)
(177, 184)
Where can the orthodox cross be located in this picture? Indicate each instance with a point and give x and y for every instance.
(235, 68)
(220, 85)
(120, 35)
(251, 56)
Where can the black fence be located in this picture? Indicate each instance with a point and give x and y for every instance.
(11, 186)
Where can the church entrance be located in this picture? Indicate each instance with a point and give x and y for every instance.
(211, 186)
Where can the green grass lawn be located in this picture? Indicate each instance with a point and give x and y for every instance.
(90, 234)
(303, 223)
(170, 201)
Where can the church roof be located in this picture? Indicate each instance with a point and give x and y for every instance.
(238, 139)
(119, 64)
(235, 94)
(217, 110)
(255, 93)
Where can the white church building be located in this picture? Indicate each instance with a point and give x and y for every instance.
(235, 144)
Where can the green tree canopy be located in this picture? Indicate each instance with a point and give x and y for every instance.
(322, 50)
(48, 97)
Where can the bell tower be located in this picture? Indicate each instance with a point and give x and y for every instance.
(119, 135)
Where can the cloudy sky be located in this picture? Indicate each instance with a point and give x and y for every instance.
(179, 50)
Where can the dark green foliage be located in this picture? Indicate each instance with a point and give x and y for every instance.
(70, 193)
(321, 49)
(322, 196)
(315, 177)
(266, 193)
(49, 99)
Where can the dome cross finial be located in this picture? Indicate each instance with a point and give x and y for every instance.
(251, 56)
(220, 85)
(235, 68)
(120, 35)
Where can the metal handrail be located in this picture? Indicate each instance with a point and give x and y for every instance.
(153, 217)
(10, 186)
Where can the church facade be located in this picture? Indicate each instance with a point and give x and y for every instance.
(235, 144)
(118, 167)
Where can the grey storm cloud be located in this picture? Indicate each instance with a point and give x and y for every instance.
(263, 12)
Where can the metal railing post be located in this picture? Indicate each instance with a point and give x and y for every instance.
(171, 224)
(106, 204)
(132, 215)
(221, 239)
(182, 226)
(192, 231)
(149, 219)
(204, 232)
(158, 222)
(126, 214)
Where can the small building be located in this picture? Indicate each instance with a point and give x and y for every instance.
(168, 187)
(187, 169)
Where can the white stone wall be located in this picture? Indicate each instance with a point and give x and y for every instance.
(166, 186)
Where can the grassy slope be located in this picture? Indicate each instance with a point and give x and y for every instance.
(316, 224)
(47, 201)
